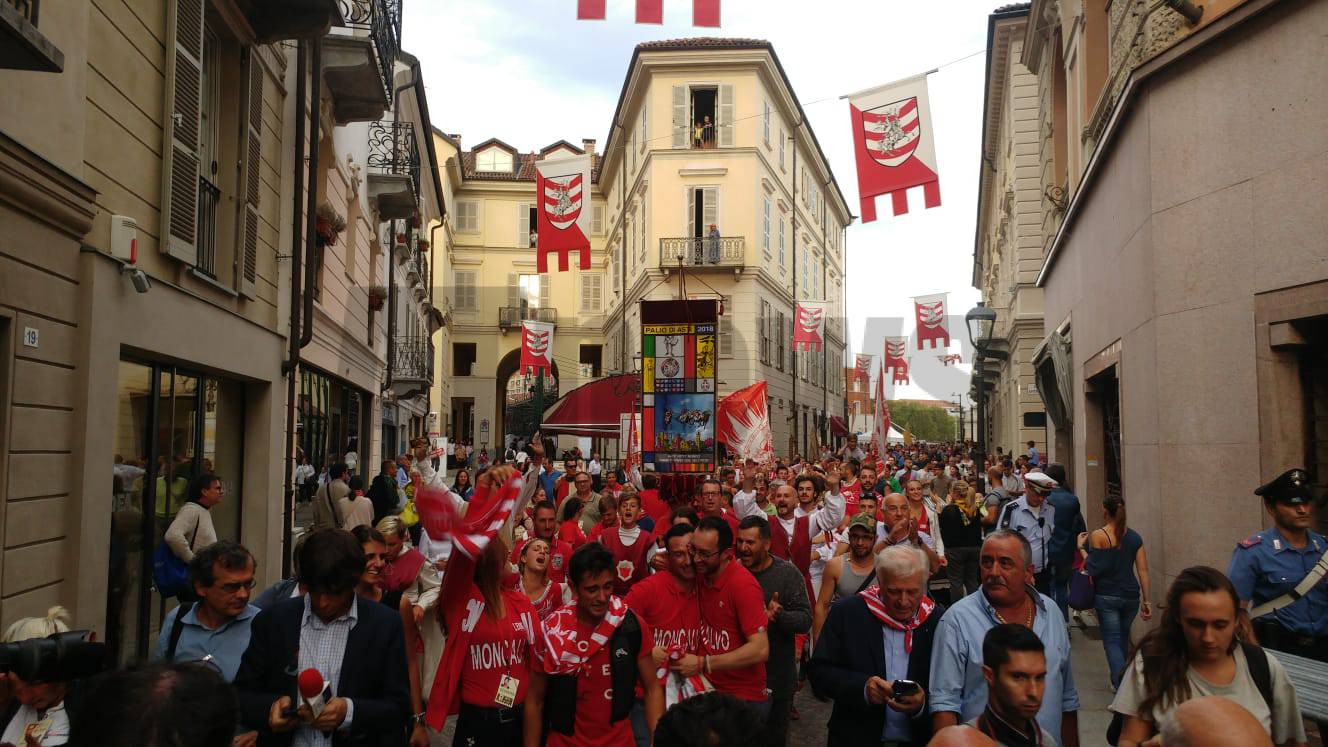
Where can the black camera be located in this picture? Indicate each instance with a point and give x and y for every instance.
(59, 657)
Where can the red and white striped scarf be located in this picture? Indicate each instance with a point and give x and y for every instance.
(563, 653)
(872, 596)
(676, 687)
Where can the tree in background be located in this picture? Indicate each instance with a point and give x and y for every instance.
(925, 422)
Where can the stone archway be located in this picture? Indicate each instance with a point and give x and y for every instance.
(511, 397)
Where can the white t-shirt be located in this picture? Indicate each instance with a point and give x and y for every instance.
(1283, 723)
(56, 721)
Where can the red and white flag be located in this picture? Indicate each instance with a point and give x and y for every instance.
(862, 367)
(809, 325)
(895, 347)
(536, 347)
(633, 442)
(743, 424)
(894, 145)
(901, 374)
(881, 438)
(946, 360)
(930, 312)
(562, 186)
(704, 12)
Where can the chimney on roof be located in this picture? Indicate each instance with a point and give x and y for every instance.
(457, 138)
(588, 145)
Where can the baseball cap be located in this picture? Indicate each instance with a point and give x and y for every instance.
(866, 521)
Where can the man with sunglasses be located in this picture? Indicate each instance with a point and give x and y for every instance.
(214, 629)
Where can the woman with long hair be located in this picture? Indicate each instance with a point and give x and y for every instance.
(375, 559)
(1115, 558)
(961, 531)
(1194, 653)
(463, 486)
(533, 578)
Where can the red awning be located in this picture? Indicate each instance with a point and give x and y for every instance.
(593, 409)
(837, 426)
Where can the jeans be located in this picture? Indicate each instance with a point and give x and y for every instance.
(640, 731)
(962, 570)
(777, 722)
(1116, 615)
(1060, 589)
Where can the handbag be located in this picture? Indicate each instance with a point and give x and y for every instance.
(408, 515)
(170, 574)
(1082, 593)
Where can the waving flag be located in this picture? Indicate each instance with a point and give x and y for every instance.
(895, 347)
(862, 368)
(743, 424)
(894, 145)
(536, 347)
(704, 12)
(809, 325)
(930, 313)
(881, 438)
(562, 186)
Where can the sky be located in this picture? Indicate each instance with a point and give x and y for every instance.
(529, 73)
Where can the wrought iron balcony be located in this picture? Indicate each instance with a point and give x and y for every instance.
(394, 169)
(412, 357)
(22, 46)
(512, 316)
(359, 67)
(278, 20)
(725, 252)
(382, 19)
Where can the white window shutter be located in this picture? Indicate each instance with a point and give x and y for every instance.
(645, 120)
(514, 290)
(782, 138)
(681, 126)
(596, 292)
(597, 220)
(523, 224)
(250, 184)
(765, 228)
(726, 328)
(545, 291)
(691, 212)
(585, 291)
(183, 105)
(710, 210)
(726, 117)
(643, 232)
(765, 122)
(781, 241)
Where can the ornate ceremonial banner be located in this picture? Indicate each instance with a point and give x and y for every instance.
(894, 145)
(536, 347)
(901, 373)
(809, 325)
(744, 424)
(561, 186)
(895, 347)
(862, 367)
(678, 377)
(930, 313)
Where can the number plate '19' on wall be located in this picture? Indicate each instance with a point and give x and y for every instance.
(678, 385)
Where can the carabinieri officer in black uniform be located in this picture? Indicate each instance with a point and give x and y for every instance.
(1278, 563)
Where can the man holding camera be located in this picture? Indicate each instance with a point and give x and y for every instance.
(874, 652)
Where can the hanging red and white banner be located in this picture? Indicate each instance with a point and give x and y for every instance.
(894, 145)
(536, 347)
(946, 360)
(895, 348)
(704, 12)
(901, 374)
(930, 312)
(743, 424)
(562, 186)
(809, 325)
(862, 368)
(881, 438)
(633, 442)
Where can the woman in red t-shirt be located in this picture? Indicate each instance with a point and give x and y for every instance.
(533, 578)
(570, 530)
(496, 670)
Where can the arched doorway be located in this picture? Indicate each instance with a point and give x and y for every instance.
(514, 395)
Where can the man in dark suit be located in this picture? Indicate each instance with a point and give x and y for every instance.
(870, 642)
(355, 644)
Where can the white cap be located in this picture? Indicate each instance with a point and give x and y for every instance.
(1041, 479)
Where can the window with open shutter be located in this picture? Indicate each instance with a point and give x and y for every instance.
(523, 227)
(726, 118)
(709, 210)
(780, 340)
(765, 229)
(681, 125)
(183, 103)
(253, 163)
(514, 290)
(545, 291)
(691, 212)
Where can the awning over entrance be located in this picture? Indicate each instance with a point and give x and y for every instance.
(593, 409)
(838, 428)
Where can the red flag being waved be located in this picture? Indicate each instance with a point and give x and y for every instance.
(489, 508)
(704, 12)
(743, 424)
(893, 145)
(561, 185)
(809, 327)
(930, 313)
(536, 347)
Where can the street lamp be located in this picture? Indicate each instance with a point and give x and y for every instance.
(981, 322)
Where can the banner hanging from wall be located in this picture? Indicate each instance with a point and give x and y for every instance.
(678, 378)
(744, 424)
(562, 186)
(895, 348)
(930, 313)
(894, 145)
(809, 325)
(536, 347)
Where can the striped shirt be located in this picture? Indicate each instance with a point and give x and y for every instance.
(323, 647)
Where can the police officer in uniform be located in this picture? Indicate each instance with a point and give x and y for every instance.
(1267, 566)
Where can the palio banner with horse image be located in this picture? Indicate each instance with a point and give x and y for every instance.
(678, 377)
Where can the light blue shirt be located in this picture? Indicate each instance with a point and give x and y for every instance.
(956, 683)
(896, 668)
(223, 647)
(323, 647)
(1037, 529)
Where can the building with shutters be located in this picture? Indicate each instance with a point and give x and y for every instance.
(157, 196)
(756, 174)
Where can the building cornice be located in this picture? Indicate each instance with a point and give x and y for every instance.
(32, 185)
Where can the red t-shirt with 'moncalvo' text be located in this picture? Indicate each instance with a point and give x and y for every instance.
(733, 610)
(499, 647)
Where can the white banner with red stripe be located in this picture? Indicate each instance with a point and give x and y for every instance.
(536, 347)
(809, 325)
(895, 348)
(562, 186)
(894, 145)
(704, 12)
(930, 313)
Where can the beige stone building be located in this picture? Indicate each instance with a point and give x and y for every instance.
(756, 174)
(1185, 279)
(155, 203)
(1009, 236)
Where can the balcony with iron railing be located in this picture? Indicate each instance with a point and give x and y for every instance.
(719, 253)
(394, 169)
(209, 198)
(358, 67)
(512, 316)
(411, 358)
(22, 46)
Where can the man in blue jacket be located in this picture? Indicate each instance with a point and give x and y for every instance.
(1068, 523)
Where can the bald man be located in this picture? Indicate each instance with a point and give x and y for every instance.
(1192, 725)
(961, 735)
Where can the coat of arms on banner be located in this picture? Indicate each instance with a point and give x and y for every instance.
(930, 312)
(894, 145)
(563, 225)
(895, 347)
(901, 374)
(536, 346)
(809, 325)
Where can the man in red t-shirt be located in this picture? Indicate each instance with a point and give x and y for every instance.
(586, 693)
(734, 646)
(545, 527)
(711, 503)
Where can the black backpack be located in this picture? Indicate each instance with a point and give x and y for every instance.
(1262, 674)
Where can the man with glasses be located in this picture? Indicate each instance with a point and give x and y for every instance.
(712, 504)
(587, 498)
(1034, 518)
(214, 629)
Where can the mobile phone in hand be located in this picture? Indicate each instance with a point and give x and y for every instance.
(904, 688)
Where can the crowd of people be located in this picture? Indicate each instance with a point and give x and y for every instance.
(923, 590)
